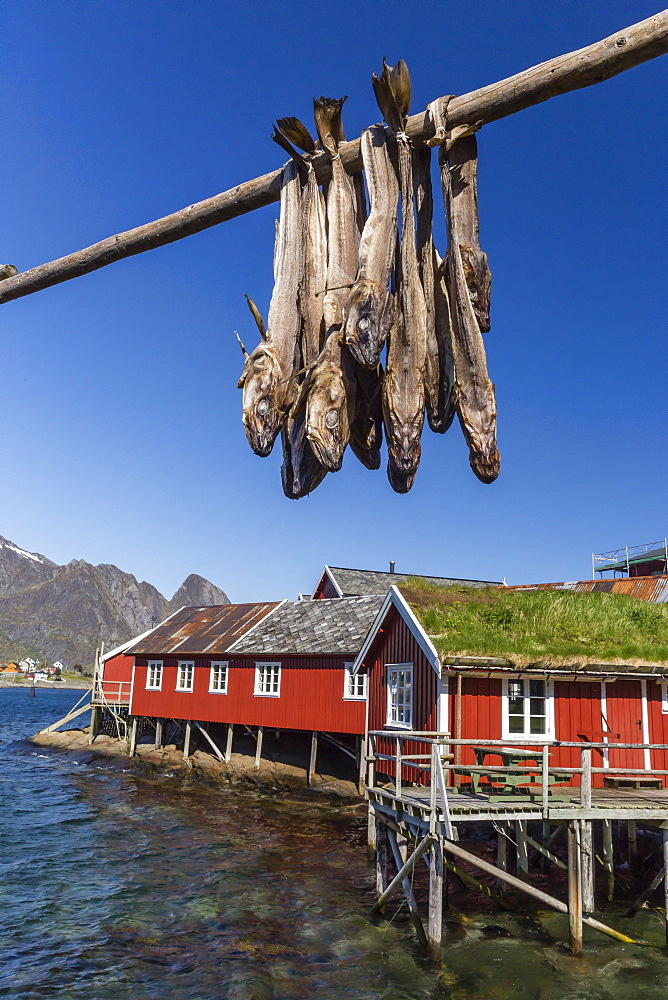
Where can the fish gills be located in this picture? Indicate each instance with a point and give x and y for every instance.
(439, 369)
(474, 392)
(368, 309)
(463, 160)
(266, 379)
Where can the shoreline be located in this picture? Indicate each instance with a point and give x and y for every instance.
(167, 763)
(48, 685)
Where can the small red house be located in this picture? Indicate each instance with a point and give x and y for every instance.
(282, 665)
(411, 687)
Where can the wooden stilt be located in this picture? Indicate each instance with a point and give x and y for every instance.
(545, 860)
(608, 859)
(402, 845)
(574, 889)
(646, 893)
(313, 757)
(400, 862)
(94, 723)
(211, 743)
(371, 833)
(398, 879)
(435, 925)
(381, 860)
(158, 734)
(521, 840)
(228, 744)
(258, 747)
(632, 841)
(587, 866)
(133, 737)
(361, 763)
(186, 743)
(665, 878)
(501, 854)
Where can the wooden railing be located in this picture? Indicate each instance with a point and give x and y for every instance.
(435, 763)
(112, 692)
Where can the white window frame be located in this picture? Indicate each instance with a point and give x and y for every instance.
(527, 737)
(353, 683)
(397, 668)
(155, 667)
(261, 668)
(664, 697)
(224, 667)
(183, 673)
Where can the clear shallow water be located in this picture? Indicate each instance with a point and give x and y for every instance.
(112, 887)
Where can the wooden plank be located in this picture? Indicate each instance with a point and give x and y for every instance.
(206, 736)
(313, 758)
(423, 846)
(435, 921)
(572, 71)
(575, 938)
(66, 718)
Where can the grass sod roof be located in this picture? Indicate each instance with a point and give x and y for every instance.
(546, 627)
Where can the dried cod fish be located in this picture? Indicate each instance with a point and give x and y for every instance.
(301, 472)
(439, 371)
(474, 392)
(367, 312)
(266, 379)
(463, 161)
(366, 429)
(404, 384)
(330, 386)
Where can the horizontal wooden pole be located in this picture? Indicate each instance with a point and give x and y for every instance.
(582, 68)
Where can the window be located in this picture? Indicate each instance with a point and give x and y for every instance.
(354, 685)
(184, 677)
(268, 680)
(527, 708)
(218, 678)
(154, 675)
(400, 695)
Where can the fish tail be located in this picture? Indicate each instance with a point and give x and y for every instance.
(328, 122)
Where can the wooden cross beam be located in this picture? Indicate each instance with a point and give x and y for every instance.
(582, 68)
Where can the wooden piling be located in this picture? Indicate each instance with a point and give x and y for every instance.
(381, 861)
(94, 723)
(435, 923)
(186, 743)
(664, 832)
(501, 854)
(158, 734)
(313, 758)
(400, 861)
(133, 737)
(371, 834)
(361, 763)
(587, 866)
(608, 859)
(632, 836)
(228, 744)
(575, 937)
(258, 747)
(521, 840)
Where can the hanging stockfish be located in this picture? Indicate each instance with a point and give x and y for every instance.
(301, 472)
(366, 429)
(330, 385)
(266, 379)
(367, 312)
(474, 392)
(311, 296)
(463, 161)
(439, 371)
(403, 387)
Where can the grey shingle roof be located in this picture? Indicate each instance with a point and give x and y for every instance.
(331, 626)
(366, 581)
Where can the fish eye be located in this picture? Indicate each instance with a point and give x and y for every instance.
(363, 324)
(332, 419)
(262, 406)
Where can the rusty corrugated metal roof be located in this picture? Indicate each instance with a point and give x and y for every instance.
(644, 588)
(202, 630)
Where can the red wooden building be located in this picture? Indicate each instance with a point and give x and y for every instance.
(411, 687)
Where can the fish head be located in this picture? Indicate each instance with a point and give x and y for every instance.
(399, 481)
(263, 394)
(327, 425)
(485, 464)
(367, 318)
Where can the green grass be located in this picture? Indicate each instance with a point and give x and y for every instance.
(541, 624)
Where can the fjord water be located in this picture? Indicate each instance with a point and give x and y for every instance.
(114, 887)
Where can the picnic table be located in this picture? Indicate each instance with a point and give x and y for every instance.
(526, 776)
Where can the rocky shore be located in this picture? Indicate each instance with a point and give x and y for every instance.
(167, 763)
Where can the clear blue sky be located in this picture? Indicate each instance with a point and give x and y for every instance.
(120, 434)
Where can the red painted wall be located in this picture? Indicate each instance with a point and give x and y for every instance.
(396, 644)
(311, 695)
(325, 590)
(117, 677)
(577, 709)
(481, 712)
(658, 727)
(624, 714)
